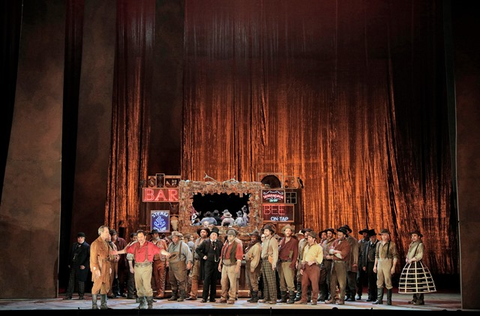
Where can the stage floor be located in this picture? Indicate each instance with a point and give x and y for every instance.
(434, 302)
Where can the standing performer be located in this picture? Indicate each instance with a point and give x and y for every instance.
(100, 266)
(416, 279)
(195, 271)
(253, 253)
(367, 264)
(287, 257)
(79, 266)
(361, 274)
(386, 257)
(230, 263)
(269, 262)
(310, 268)
(179, 263)
(143, 251)
(159, 264)
(339, 253)
(208, 253)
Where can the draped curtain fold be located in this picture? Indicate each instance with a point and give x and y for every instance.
(347, 95)
(130, 108)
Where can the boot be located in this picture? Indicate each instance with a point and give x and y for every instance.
(181, 298)
(389, 296)
(150, 302)
(291, 297)
(143, 303)
(103, 304)
(253, 294)
(174, 296)
(379, 296)
(283, 297)
(94, 301)
(298, 296)
(419, 299)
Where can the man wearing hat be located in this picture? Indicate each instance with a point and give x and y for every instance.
(352, 266)
(287, 261)
(119, 267)
(269, 258)
(310, 268)
(159, 264)
(367, 262)
(230, 263)
(302, 241)
(143, 251)
(208, 254)
(339, 253)
(79, 266)
(386, 257)
(194, 274)
(253, 254)
(179, 262)
(416, 278)
(326, 266)
(361, 274)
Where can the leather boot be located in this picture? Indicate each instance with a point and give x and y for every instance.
(379, 296)
(94, 301)
(143, 303)
(291, 297)
(389, 296)
(103, 304)
(181, 298)
(174, 296)
(298, 296)
(283, 297)
(253, 297)
(150, 302)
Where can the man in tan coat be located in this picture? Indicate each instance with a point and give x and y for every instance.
(100, 266)
(252, 265)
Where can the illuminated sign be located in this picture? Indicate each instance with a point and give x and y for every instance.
(278, 212)
(160, 220)
(273, 196)
(160, 195)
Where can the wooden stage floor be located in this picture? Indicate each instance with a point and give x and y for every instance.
(434, 302)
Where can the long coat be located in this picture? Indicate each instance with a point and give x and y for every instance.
(100, 259)
(213, 257)
(80, 256)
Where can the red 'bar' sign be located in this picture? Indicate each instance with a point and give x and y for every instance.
(159, 195)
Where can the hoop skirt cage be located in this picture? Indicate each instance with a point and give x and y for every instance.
(416, 278)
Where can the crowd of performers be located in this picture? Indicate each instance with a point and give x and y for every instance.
(287, 267)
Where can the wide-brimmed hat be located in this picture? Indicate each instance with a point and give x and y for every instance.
(331, 230)
(227, 214)
(203, 228)
(348, 228)
(255, 233)
(342, 229)
(155, 231)
(371, 232)
(288, 227)
(271, 228)
(177, 233)
(416, 231)
(384, 231)
(365, 230)
(311, 233)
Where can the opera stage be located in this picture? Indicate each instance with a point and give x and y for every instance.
(434, 303)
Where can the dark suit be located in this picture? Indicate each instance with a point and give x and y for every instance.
(209, 267)
(79, 256)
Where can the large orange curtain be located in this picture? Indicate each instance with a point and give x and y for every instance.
(347, 95)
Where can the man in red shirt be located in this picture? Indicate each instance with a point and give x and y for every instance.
(143, 251)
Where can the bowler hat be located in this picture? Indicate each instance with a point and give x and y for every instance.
(81, 234)
(384, 231)
(214, 230)
(416, 231)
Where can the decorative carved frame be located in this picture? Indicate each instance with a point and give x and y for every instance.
(189, 188)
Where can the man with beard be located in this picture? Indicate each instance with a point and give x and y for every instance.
(367, 263)
(208, 254)
(310, 268)
(287, 260)
(159, 264)
(100, 266)
(179, 262)
(269, 263)
(352, 266)
(252, 265)
(339, 253)
(326, 266)
(195, 271)
(229, 265)
(361, 274)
